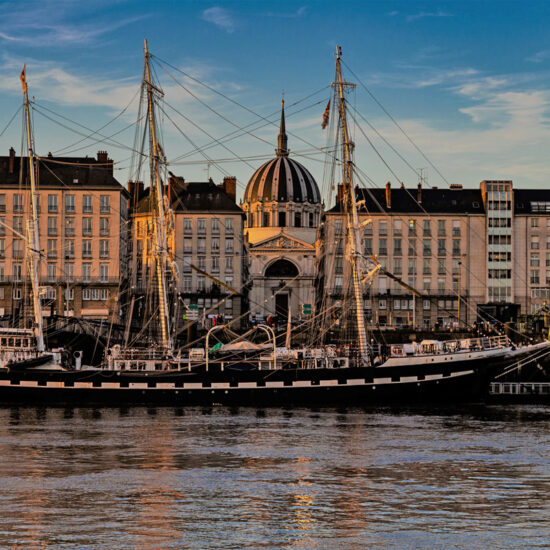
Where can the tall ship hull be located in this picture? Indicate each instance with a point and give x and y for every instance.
(462, 376)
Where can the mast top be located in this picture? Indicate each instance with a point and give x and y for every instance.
(282, 142)
(338, 52)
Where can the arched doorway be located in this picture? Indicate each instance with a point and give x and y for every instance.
(284, 270)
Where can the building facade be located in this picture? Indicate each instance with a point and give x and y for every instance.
(83, 214)
(283, 208)
(206, 239)
(467, 251)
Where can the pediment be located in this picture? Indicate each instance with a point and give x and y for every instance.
(283, 242)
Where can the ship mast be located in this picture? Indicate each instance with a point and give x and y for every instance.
(33, 239)
(160, 241)
(353, 244)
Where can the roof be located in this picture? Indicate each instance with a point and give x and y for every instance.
(531, 201)
(62, 172)
(194, 197)
(433, 201)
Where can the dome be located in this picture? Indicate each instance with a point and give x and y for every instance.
(282, 179)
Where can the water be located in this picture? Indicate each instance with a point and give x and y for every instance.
(477, 477)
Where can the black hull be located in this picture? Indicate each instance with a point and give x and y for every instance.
(28, 363)
(460, 381)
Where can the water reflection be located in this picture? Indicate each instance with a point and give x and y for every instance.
(213, 477)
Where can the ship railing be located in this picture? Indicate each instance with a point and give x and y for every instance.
(520, 388)
(437, 347)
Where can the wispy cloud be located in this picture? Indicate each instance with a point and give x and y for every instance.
(424, 14)
(298, 13)
(219, 17)
(539, 57)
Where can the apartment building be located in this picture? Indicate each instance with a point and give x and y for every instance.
(207, 234)
(83, 213)
(467, 251)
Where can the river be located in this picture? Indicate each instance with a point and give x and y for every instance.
(217, 477)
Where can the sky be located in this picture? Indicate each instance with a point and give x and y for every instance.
(467, 81)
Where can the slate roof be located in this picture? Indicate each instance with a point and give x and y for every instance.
(434, 201)
(89, 172)
(524, 197)
(195, 197)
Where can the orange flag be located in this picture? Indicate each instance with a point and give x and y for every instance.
(23, 79)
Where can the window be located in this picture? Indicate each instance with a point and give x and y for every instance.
(17, 248)
(338, 265)
(202, 262)
(87, 248)
(426, 267)
(441, 228)
(426, 247)
(2, 202)
(382, 247)
(52, 272)
(426, 229)
(103, 248)
(548, 259)
(187, 283)
(534, 243)
(215, 225)
(69, 272)
(412, 247)
(338, 227)
(426, 284)
(104, 294)
(456, 247)
(535, 279)
(201, 245)
(188, 245)
(17, 202)
(282, 219)
(69, 227)
(104, 206)
(16, 294)
(229, 263)
(383, 227)
(397, 227)
(18, 223)
(297, 219)
(397, 266)
(412, 228)
(187, 261)
(368, 246)
(397, 251)
(215, 264)
(411, 267)
(2, 228)
(52, 248)
(104, 273)
(201, 225)
(187, 225)
(440, 286)
(87, 204)
(534, 222)
(52, 204)
(382, 303)
(229, 246)
(201, 283)
(534, 260)
(456, 228)
(86, 273)
(229, 281)
(229, 225)
(52, 225)
(215, 245)
(103, 226)
(2, 272)
(86, 226)
(2, 248)
(16, 270)
(69, 204)
(69, 294)
(441, 247)
(86, 294)
(440, 266)
(69, 248)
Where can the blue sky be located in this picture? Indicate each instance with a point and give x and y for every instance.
(468, 81)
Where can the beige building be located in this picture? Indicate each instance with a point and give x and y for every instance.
(208, 234)
(283, 208)
(83, 212)
(485, 247)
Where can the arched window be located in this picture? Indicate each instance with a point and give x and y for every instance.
(281, 268)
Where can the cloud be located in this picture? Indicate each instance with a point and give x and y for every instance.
(424, 14)
(298, 13)
(539, 57)
(219, 17)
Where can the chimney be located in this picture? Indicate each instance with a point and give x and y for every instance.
(340, 193)
(103, 158)
(419, 193)
(12, 160)
(388, 195)
(456, 186)
(229, 186)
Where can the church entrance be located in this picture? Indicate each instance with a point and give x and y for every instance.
(281, 307)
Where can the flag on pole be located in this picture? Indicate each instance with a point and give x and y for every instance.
(23, 79)
(326, 114)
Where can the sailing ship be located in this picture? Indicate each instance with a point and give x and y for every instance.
(247, 373)
(24, 348)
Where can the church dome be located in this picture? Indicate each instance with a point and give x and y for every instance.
(282, 179)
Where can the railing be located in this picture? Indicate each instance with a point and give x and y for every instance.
(520, 388)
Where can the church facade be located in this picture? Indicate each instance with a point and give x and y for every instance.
(282, 204)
